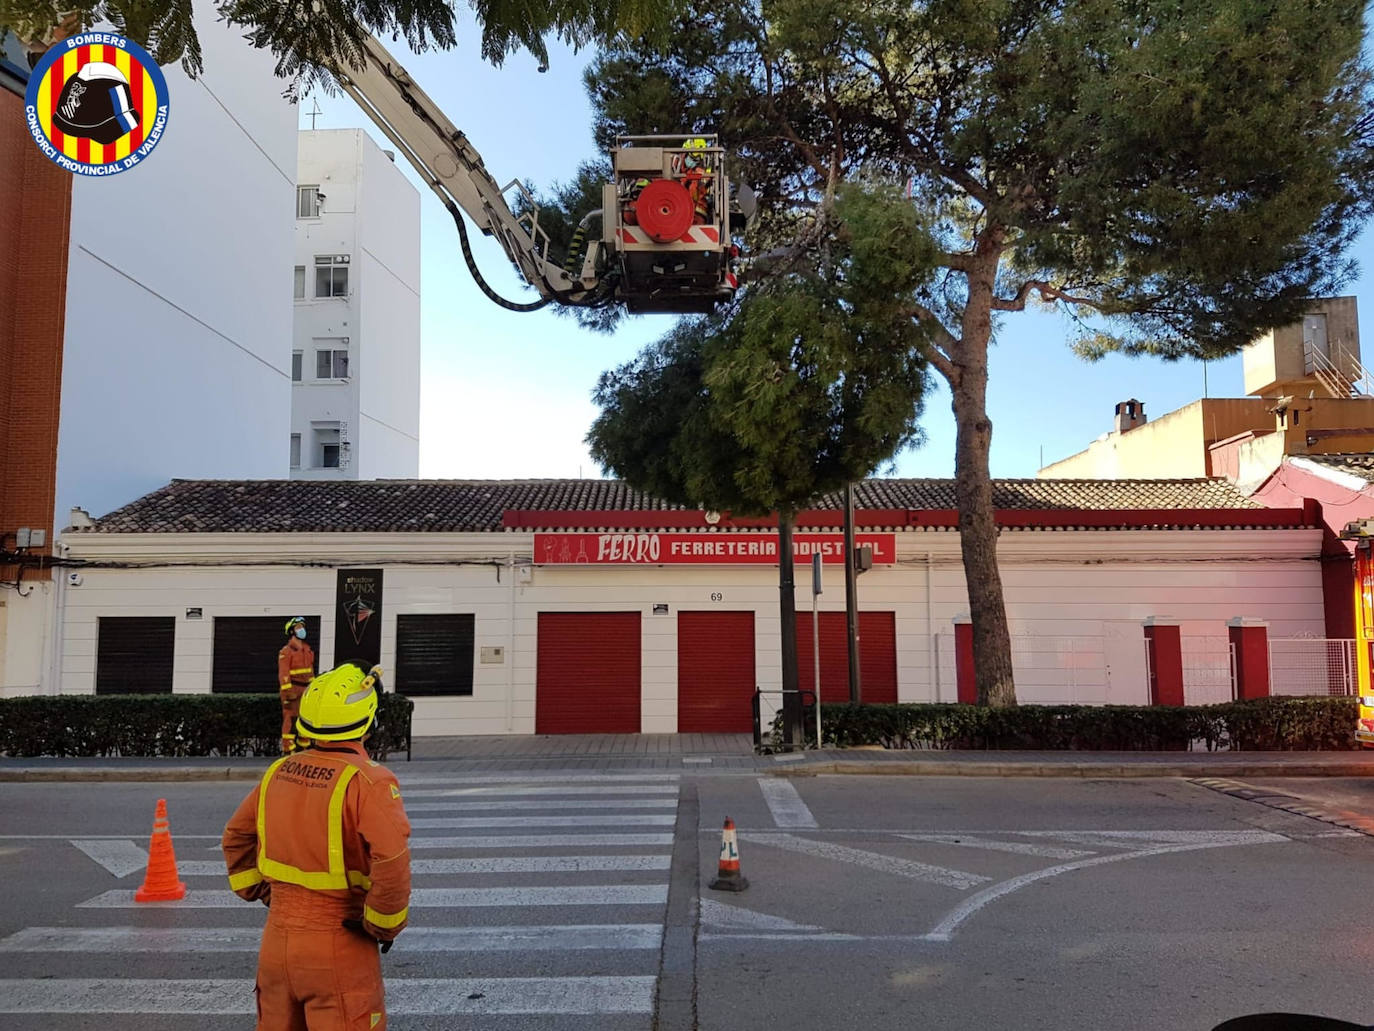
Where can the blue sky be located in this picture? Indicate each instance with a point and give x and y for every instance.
(507, 395)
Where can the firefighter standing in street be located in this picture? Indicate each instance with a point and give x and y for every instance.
(295, 670)
(323, 841)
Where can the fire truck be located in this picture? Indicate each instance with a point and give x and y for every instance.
(660, 242)
(1362, 533)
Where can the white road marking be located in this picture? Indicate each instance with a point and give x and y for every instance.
(873, 860)
(414, 939)
(1136, 838)
(718, 914)
(595, 789)
(785, 804)
(570, 778)
(1019, 847)
(414, 996)
(512, 864)
(944, 930)
(549, 803)
(459, 822)
(120, 858)
(540, 864)
(430, 898)
(514, 841)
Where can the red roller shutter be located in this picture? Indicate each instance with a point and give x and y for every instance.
(588, 673)
(877, 656)
(715, 672)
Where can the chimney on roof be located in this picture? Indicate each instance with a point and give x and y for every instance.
(1129, 415)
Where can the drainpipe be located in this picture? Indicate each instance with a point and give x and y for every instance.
(932, 652)
(510, 653)
(59, 619)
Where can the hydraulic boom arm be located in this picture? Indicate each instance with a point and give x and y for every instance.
(454, 170)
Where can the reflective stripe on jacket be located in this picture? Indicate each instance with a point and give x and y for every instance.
(295, 663)
(330, 820)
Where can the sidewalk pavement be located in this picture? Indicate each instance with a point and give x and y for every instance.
(718, 754)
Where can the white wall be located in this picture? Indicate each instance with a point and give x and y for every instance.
(371, 213)
(1080, 593)
(389, 356)
(178, 312)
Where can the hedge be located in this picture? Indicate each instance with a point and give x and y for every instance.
(167, 725)
(1262, 724)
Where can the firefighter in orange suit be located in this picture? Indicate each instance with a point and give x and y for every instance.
(295, 670)
(323, 841)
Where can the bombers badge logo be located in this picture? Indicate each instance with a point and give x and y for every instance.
(97, 104)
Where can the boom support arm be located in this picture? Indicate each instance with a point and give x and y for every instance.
(455, 172)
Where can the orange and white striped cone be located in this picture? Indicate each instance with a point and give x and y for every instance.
(161, 883)
(728, 876)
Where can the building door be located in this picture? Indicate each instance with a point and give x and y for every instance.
(244, 660)
(133, 654)
(715, 672)
(877, 656)
(588, 676)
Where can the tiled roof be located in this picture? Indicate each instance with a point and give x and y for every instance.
(1361, 466)
(395, 506)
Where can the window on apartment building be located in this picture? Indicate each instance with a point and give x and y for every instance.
(297, 360)
(307, 202)
(298, 290)
(331, 364)
(295, 451)
(331, 275)
(434, 654)
(327, 447)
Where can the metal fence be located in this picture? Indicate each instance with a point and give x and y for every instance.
(1209, 670)
(1312, 666)
(1053, 670)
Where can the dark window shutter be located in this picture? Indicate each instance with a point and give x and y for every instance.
(434, 654)
(133, 654)
(245, 652)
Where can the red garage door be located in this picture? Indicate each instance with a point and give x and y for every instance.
(877, 656)
(715, 672)
(587, 681)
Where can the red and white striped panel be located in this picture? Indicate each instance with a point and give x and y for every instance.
(707, 235)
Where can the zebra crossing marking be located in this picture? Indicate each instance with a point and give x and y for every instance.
(532, 938)
(410, 996)
(430, 898)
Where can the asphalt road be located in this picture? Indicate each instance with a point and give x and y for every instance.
(557, 902)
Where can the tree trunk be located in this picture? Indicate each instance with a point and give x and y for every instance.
(973, 494)
(792, 715)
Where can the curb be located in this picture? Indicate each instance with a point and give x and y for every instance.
(938, 768)
(1290, 804)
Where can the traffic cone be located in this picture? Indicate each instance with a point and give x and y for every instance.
(161, 883)
(728, 877)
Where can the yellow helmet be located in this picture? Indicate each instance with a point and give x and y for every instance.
(695, 143)
(293, 622)
(340, 705)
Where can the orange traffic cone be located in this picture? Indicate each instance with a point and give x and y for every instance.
(161, 883)
(728, 877)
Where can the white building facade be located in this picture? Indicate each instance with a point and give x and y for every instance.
(355, 362)
(580, 606)
(177, 314)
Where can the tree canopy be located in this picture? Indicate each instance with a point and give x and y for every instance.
(308, 36)
(814, 382)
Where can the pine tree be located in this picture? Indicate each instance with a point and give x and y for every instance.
(1174, 177)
